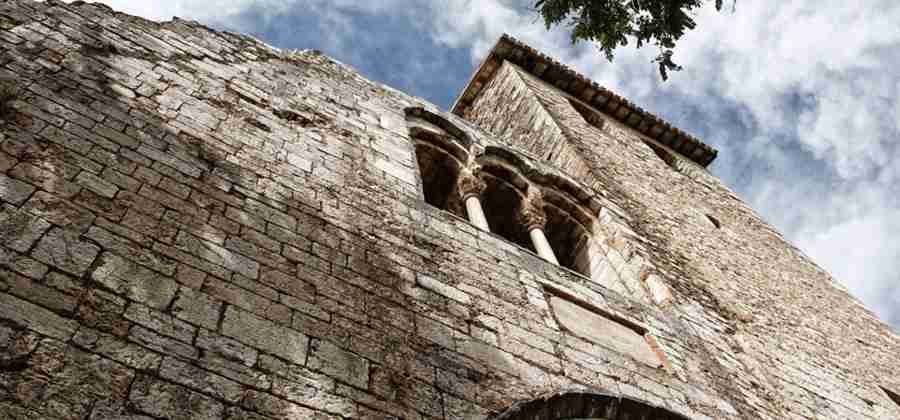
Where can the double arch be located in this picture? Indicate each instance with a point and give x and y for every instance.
(504, 192)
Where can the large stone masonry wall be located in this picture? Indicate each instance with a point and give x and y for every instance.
(197, 225)
(778, 329)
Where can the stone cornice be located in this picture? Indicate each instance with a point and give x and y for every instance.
(579, 86)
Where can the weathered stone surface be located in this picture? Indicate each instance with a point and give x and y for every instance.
(14, 191)
(134, 282)
(161, 399)
(265, 335)
(339, 363)
(36, 318)
(194, 224)
(63, 250)
(602, 330)
(200, 380)
(218, 255)
(197, 308)
(19, 230)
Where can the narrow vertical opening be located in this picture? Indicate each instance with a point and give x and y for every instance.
(567, 228)
(439, 172)
(502, 202)
(568, 239)
(441, 152)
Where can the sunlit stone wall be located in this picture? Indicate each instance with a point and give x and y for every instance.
(196, 225)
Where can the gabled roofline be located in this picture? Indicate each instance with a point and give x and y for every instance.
(579, 86)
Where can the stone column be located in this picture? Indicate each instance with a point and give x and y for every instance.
(470, 189)
(532, 217)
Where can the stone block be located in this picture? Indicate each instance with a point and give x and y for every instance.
(339, 363)
(134, 252)
(58, 211)
(658, 289)
(217, 255)
(174, 402)
(161, 344)
(32, 291)
(604, 331)
(62, 249)
(21, 264)
(117, 349)
(276, 407)
(20, 229)
(442, 289)
(96, 184)
(290, 285)
(226, 348)
(200, 380)
(265, 335)
(134, 282)
(160, 322)
(52, 182)
(36, 318)
(14, 191)
(197, 308)
(311, 393)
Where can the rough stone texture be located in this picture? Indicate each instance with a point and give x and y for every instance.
(197, 225)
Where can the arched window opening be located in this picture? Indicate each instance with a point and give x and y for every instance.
(439, 171)
(567, 230)
(502, 203)
(569, 240)
(441, 152)
(586, 405)
(432, 122)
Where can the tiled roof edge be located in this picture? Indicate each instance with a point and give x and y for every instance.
(579, 86)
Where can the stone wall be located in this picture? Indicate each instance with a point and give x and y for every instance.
(197, 225)
(782, 338)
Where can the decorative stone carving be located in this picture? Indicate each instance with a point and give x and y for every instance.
(470, 185)
(532, 215)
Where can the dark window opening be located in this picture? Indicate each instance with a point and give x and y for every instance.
(568, 239)
(714, 221)
(501, 203)
(441, 150)
(439, 171)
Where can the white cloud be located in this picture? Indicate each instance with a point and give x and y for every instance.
(816, 80)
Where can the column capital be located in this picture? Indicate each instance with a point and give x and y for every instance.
(531, 214)
(470, 185)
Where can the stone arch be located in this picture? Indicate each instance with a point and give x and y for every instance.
(567, 208)
(418, 118)
(442, 153)
(584, 406)
(504, 199)
(569, 229)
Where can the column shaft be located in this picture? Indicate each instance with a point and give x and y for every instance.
(542, 246)
(476, 213)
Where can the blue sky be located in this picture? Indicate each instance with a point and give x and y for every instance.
(799, 97)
